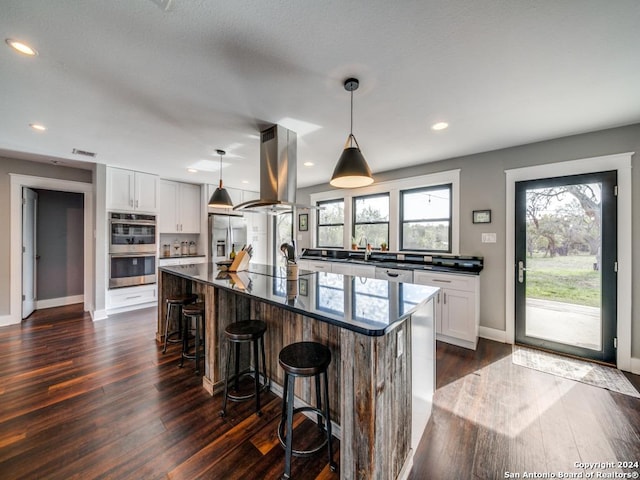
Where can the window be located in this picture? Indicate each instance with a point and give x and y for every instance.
(425, 219)
(371, 219)
(283, 233)
(330, 226)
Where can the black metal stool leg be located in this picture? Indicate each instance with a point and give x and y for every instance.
(256, 367)
(327, 413)
(264, 365)
(197, 342)
(237, 367)
(223, 412)
(289, 441)
(166, 326)
(319, 403)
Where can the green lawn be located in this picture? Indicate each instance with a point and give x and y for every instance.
(568, 279)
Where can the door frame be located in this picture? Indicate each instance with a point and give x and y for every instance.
(17, 182)
(620, 162)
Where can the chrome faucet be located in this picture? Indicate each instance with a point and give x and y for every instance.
(367, 251)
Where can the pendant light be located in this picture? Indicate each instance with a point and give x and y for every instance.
(220, 198)
(351, 170)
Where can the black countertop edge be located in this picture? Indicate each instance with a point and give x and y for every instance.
(371, 332)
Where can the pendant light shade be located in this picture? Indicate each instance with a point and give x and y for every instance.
(220, 198)
(351, 170)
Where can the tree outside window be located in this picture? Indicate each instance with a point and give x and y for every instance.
(426, 219)
(371, 220)
(330, 225)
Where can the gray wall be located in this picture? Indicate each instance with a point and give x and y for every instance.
(482, 186)
(60, 244)
(37, 169)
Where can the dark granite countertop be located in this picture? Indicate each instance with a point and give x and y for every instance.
(365, 305)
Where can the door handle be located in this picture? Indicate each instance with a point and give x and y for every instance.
(521, 271)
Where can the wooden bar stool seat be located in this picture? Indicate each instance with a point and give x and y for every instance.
(175, 302)
(304, 359)
(238, 333)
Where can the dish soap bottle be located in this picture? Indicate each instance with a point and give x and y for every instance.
(232, 255)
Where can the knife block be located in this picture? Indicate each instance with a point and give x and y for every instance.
(241, 262)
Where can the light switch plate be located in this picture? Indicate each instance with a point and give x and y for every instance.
(488, 238)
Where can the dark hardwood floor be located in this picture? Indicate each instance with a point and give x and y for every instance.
(83, 399)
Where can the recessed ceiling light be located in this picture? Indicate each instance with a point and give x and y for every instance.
(439, 126)
(38, 127)
(21, 47)
(308, 164)
(245, 181)
(192, 170)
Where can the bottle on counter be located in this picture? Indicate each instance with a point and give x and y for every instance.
(232, 255)
(176, 248)
(166, 250)
(184, 250)
(193, 249)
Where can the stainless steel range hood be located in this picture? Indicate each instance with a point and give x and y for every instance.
(278, 171)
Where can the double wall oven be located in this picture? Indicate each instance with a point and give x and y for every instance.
(132, 249)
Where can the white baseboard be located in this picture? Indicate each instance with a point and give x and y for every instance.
(635, 365)
(128, 308)
(98, 315)
(59, 302)
(493, 334)
(6, 320)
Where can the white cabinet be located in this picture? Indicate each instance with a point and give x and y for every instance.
(179, 207)
(315, 265)
(344, 268)
(131, 298)
(131, 191)
(457, 306)
(169, 262)
(394, 275)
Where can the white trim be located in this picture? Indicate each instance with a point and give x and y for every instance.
(393, 187)
(493, 334)
(59, 302)
(6, 320)
(19, 181)
(620, 162)
(99, 315)
(635, 365)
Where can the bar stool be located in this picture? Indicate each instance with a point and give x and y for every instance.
(304, 359)
(245, 331)
(193, 314)
(176, 301)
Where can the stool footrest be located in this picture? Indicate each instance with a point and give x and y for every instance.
(303, 453)
(264, 387)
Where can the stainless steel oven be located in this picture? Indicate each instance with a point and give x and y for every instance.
(132, 233)
(130, 269)
(132, 249)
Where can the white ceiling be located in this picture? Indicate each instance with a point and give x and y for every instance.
(160, 89)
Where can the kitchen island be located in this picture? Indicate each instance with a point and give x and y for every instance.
(381, 336)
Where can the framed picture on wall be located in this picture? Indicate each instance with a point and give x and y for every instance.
(482, 216)
(303, 222)
(303, 286)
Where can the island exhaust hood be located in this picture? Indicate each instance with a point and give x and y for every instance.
(278, 171)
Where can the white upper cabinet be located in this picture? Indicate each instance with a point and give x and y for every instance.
(179, 207)
(131, 191)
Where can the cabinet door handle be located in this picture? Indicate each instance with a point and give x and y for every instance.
(445, 298)
(438, 298)
(441, 281)
(133, 296)
(131, 202)
(394, 275)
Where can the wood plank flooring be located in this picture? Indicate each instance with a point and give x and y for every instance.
(83, 399)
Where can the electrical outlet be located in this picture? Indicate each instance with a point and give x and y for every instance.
(488, 238)
(400, 343)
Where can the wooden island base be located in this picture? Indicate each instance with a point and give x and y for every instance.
(370, 380)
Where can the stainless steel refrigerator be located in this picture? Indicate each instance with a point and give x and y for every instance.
(226, 232)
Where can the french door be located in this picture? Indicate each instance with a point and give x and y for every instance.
(566, 263)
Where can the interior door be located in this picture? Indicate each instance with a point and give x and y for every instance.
(566, 288)
(29, 265)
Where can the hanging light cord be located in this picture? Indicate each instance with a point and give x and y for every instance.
(352, 137)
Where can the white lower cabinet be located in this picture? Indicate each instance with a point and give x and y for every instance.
(343, 268)
(315, 265)
(131, 298)
(457, 306)
(168, 262)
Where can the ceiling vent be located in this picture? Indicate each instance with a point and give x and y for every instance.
(83, 152)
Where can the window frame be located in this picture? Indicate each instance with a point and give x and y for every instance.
(354, 223)
(318, 224)
(402, 221)
(393, 187)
